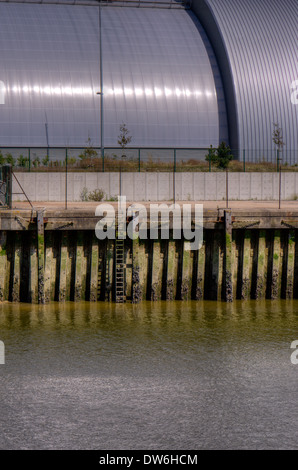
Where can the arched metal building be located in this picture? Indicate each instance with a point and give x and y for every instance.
(178, 75)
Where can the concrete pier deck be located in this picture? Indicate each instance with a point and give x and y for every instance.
(81, 215)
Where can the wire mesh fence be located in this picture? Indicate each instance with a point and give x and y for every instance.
(91, 159)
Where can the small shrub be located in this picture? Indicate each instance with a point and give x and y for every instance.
(111, 199)
(45, 160)
(9, 159)
(71, 161)
(36, 162)
(96, 195)
(22, 161)
(220, 156)
(84, 194)
(89, 152)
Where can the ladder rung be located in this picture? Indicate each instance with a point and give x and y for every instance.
(119, 262)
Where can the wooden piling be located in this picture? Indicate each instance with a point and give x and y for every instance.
(246, 266)
(227, 279)
(157, 265)
(40, 254)
(200, 272)
(217, 265)
(65, 269)
(275, 288)
(290, 265)
(261, 278)
(94, 269)
(236, 266)
(80, 268)
(172, 268)
(16, 265)
(3, 267)
(50, 267)
(186, 281)
(33, 269)
(128, 271)
(137, 272)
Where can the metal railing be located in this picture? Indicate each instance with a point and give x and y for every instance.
(57, 159)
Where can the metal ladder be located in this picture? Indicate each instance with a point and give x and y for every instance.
(119, 268)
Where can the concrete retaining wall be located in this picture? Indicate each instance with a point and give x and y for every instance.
(158, 186)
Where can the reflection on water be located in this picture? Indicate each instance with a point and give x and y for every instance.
(162, 375)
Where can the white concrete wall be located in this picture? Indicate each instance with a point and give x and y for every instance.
(158, 186)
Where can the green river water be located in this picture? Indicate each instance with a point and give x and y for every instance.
(162, 375)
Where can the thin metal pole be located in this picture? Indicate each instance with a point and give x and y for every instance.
(66, 178)
(101, 90)
(120, 177)
(174, 178)
(244, 160)
(22, 191)
(209, 160)
(47, 134)
(139, 160)
(227, 188)
(279, 194)
(29, 158)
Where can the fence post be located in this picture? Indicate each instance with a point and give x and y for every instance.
(244, 160)
(227, 188)
(279, 188)
(66, 158)
(7, 178)
(209, 151)
(29, 157)
(139, 160)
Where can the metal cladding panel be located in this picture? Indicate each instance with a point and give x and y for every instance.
(159, 77)
(260, 38)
